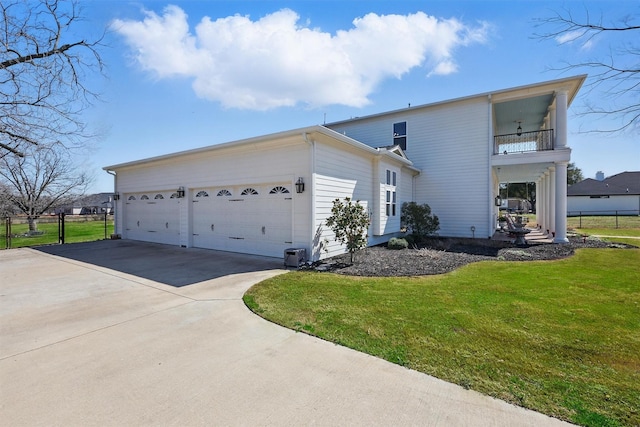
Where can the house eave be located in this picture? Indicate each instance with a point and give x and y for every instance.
(572, 84)
(300, 132)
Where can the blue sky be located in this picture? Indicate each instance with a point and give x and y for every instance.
(187, 74)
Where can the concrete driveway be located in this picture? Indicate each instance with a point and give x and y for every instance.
(119, 333)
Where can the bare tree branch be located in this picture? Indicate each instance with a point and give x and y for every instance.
(615, 80)
(43, 74)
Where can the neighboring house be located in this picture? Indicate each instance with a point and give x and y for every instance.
(246, 196)
(618, 193)
(92, 204)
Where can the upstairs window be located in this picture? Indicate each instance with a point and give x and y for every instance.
(400, 134)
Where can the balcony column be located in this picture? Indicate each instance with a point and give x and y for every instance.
(561, 119)
(552, 199)
(561, 203)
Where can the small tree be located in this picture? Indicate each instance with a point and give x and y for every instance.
(38, 182)
(419, 220)
(349, 221)
(574, 174)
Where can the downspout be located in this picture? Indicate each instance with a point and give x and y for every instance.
(491, 219)
(115, 202)
(312, 198)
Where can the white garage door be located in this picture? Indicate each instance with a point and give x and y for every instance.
(152, 217)
(254, 219)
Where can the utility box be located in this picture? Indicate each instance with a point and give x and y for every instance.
(294, 257)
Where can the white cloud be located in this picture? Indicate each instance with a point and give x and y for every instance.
(274, 61)
(574, 36)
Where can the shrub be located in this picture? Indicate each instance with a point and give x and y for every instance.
(395, 243)
(349, 221)
(419, 220)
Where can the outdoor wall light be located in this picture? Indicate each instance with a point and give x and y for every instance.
(116, 196)
(498, 201)
(299, 186)
(519, 130)
(180, 192)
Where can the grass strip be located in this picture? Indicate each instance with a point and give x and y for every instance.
(559, 337)
(75, 231)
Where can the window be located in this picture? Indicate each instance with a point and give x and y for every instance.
(400, 134)
(144, 197)
(390, 199)
(279, 190)
(131, 198)
(391, 178)
(202, 194)
(249, 191)
(159, 196)
(388, 203)
(223, 193)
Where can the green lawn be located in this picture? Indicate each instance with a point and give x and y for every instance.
(75, 231)
(604, 222)
(559, 337)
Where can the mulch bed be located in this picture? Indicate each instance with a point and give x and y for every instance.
(444, 255)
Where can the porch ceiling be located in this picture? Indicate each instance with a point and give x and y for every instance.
(521, 173)
(529, 111)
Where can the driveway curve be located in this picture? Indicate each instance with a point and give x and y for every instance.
(100, 342)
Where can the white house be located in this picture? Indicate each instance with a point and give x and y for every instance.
(242, 196)
(619, 194)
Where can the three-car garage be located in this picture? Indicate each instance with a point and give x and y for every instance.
(255, 219)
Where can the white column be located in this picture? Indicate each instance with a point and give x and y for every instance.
(547, 223)
(552, 118)
(552, 199)
(538, 196)
(561, 119)
(561, 203)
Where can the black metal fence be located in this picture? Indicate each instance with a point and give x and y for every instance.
(604, 219)
(21, 231)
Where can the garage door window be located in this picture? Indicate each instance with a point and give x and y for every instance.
(144, 197)
(279, 190)
(174, 196)
(131, 198)
(249, 192)
(223, 193)
(159, 196)
(202, 194)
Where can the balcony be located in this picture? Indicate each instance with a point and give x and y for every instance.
(525, 142)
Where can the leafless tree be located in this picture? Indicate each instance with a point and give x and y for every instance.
(615, 80)
(43, 74)
(41, 180)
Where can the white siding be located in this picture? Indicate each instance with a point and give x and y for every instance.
(281, 161)
(449, 143)
(626, 205)
(339, 173)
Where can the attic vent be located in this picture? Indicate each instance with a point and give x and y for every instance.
(249, 191)
(223, 193)
(202, 194)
